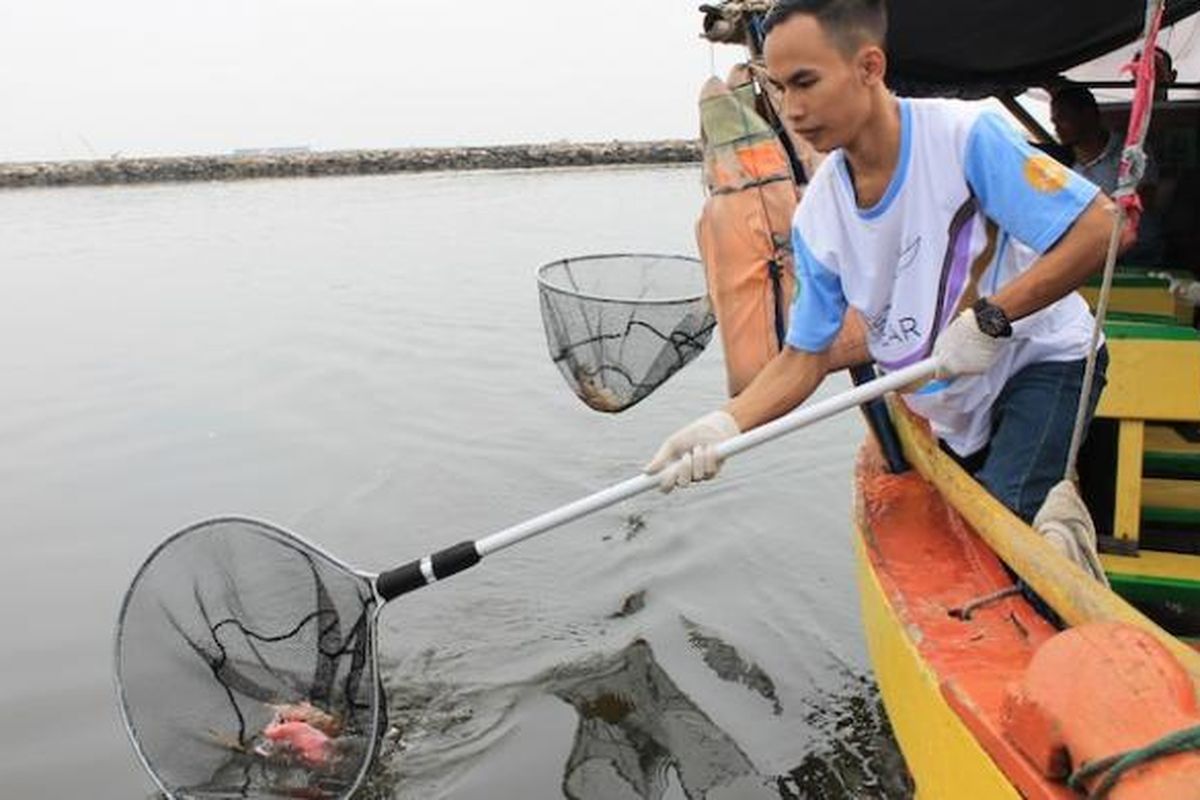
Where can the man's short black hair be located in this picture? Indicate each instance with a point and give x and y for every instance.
(1075, 97)
(849, 23)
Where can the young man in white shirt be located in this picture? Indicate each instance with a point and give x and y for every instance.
(951, 236)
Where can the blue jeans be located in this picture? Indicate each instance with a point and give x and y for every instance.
(1032, 421)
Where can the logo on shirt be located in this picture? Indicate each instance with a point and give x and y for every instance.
(1045, 174)
(886, 332)
(908, 255)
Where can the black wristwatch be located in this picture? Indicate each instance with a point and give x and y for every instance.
(991, 319)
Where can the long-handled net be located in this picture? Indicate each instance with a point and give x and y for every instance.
(246, 664)
(619, 325)
(246, 657)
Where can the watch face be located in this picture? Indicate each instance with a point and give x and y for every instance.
(991, 319)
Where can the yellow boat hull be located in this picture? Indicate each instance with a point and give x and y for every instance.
(929, 544)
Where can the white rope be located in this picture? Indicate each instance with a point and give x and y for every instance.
(1085, 393)
(1129, 179)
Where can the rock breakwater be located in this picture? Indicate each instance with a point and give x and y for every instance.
(347, 162)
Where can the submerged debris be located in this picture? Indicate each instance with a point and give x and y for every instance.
(634, 524)
(633, 604)
(724, 659)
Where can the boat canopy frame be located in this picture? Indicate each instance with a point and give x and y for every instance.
(997, 47)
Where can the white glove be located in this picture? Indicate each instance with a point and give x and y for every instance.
(1064, 522)
(963, 349)
(1185, 290)
(695, 448)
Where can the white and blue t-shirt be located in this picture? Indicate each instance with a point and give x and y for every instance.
(969, 207)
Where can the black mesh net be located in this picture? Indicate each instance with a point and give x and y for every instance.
(619, 325)
(638, 733)
(247, 666)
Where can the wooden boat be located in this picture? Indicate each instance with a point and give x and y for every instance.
(958, 679)
(987, 696)
(1140, 293)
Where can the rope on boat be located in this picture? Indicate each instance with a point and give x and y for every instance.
(1129, 173)
(1129, 207)
(965, 611)
(1114, 766)
(1089, 370)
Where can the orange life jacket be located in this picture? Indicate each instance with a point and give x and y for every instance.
(744, 231)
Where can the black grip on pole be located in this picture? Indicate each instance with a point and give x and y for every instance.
(401, 580)
(880, 422)
(411, 576)
(454, 559)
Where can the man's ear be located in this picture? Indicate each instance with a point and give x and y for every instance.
(872, 64)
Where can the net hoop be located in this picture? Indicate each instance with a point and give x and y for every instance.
(373, 742)
(546, 282)
(619, 325)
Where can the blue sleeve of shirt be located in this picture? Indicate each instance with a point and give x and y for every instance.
(1028, 193)
(819, 305)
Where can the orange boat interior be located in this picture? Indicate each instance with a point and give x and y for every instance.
(1038, 703)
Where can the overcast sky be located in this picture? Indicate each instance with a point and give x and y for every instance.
(88, 79)
(82, 79)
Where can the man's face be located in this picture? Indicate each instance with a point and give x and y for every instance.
(1067, 122)
(821, 94)
(1073, 125)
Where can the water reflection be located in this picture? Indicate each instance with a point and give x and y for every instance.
(724, 659)
(637, 731)
(858, 757)
(640, 736)
(316, 310)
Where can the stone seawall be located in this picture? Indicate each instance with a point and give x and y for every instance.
(349, 162)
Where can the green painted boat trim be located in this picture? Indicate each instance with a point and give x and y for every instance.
(1142, 588)
(1171, 465)
(1124, 579)
(1172, 516)
(1137, 316)
(1148, 330)
(1129, 280)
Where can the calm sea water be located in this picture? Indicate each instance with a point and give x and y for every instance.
(362, 360)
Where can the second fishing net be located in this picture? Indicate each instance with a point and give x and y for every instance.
(618, 326)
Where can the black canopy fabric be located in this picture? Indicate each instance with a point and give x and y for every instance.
(975, 48)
